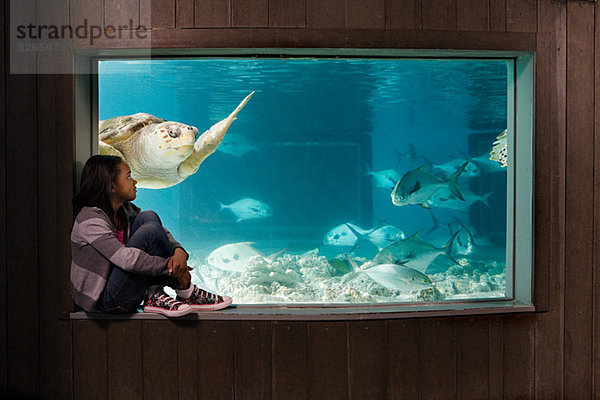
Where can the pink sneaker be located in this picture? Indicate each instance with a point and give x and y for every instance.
(201, 300)
(164, 304)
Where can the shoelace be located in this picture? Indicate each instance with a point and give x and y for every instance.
(210, 297)
(168, 301)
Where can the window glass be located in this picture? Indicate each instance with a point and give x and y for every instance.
(342, 180)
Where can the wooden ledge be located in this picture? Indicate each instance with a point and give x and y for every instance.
(327, 312)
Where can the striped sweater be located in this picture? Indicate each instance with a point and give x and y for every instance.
(95, 248)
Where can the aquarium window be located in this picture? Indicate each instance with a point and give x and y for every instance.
(343, 181)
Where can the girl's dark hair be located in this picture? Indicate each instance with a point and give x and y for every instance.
(97, 178)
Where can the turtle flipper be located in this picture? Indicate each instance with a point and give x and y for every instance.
(107, 150)
(208, 142)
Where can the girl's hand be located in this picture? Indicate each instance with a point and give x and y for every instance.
(178, 264)
(185, 281)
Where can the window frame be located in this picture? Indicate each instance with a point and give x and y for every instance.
(520, 125)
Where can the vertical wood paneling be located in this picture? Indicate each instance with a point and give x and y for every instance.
(250, 13)
(64, 189)
(367, 360)
(438, 352)
(3, 217)
(403, 14)
(124, 360)
(496, 345)
(121, 13)
(438, 15)
(287, 13)
(472, 15)
(215, 346)
(521, 15)
(160, 375)
(518, 357)
(498, 15)
(580, 200)
(596, 310)
(328, 360)
(54, 363)
(90, 366)
(326, 14)
(472, 358)
(290, 360)
(253, 380)
(212, 13)
(365, 14)
(55, 346)
(22, 292)
(549, 185)
(404, 359)
(162, 14)
(187, 359)
(543, 150)
(185, 13)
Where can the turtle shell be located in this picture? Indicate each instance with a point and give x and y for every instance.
(118, 129)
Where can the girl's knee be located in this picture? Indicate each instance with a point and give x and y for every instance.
(151, 229)
(149, 216)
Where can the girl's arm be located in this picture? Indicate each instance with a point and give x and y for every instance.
(175, 243)
(94, 229)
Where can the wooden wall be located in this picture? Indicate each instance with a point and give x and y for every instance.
(547, 355)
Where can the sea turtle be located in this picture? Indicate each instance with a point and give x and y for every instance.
(161, 153)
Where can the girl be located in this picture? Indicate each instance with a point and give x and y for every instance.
(122, 256)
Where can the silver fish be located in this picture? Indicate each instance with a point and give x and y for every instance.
(413, 252)
(233, 256)
(468, 237)
(444, 198)
(248, 209)
(344, 235)
(417, 186)
(446, 169)
(386, 235)
(394, 276)
(410, 155)
(385, 178)
(236, 146)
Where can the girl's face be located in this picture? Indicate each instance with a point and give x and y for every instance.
(123, 189)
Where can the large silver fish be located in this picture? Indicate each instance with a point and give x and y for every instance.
(446, 199)
(417, 186)
(235, 256)
(413, 252)
(410, 155)
(248, 209)
(394, 276)
(344, 235)
(447, 168)
(236, 146)
(386, 235)
(385, 178)
(467, 237)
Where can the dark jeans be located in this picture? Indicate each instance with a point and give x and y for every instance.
(125, 290)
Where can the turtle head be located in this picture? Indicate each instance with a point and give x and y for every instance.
(171, 142)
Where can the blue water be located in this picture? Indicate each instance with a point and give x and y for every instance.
(318, 126)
